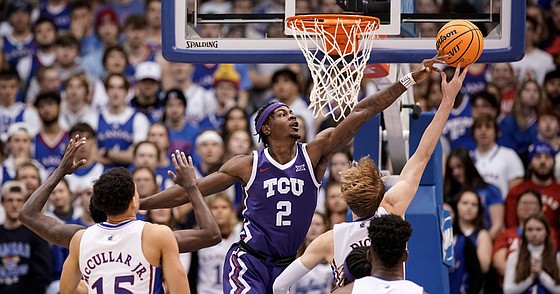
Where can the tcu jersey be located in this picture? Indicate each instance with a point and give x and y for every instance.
(211, 264)
(377, 285)
(111, 259)
(347, 236)
(280, 200)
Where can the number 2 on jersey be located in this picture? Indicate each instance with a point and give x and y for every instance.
(284, 210)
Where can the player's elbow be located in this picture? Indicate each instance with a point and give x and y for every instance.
(214, 237)
(279, 288)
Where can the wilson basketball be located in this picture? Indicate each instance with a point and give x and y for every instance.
(461, 41)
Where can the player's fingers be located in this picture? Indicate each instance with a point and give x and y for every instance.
(174, 160)
(465, 71)
(190, 161)
(172, 175)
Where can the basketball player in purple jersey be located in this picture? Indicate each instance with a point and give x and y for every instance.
(280, 183)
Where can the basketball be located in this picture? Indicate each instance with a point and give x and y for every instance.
(461, 40)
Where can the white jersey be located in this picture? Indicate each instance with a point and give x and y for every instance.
(379, 286)
(211, 263)
(111, 259)
(347, 236)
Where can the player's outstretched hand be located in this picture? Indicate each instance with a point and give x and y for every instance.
(427, 67)
(451, 89)
(69, 162)
(184, 175)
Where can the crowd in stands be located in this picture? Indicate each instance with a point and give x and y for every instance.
(94, 68)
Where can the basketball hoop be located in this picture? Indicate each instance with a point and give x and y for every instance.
(337, 48)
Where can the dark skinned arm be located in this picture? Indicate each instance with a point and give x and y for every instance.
(209, 232)
(48, 227)
(334, 139)
(236, 169)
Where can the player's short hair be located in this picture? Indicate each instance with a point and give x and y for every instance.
(97, 215)
(362, 187)
(113, 191)
(356, 264)
(389, 235)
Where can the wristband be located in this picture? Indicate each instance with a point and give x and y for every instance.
(407, 81)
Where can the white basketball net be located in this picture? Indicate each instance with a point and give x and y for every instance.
(336, 74)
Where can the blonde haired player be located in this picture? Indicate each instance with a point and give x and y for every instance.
(364, 192)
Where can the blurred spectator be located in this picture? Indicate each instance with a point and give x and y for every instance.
(159, 135)
(502, 76)
(92, 170)
(552, 88)
(427, 6)
(210, 149)
(146, 154)
(46, 80)
(201, 102)
(211, 259)
(519, 128)
(460, 175)
(472, 245)
(44, 31)
(475, 81)
(59, 11)
(135, 30)
(216, 6)
(30, 175)
(12, 111)
(68, 60)
(235, 119)
(153, 19)
(19, 151)
(238, 142)
(335, 206)
(51, 141)
(460, 118)
(226, 90)
(119, 126)
(508, 240)
(498, 165)
(548, 127)
(540, 177)
(19, 42)
(340, 161)
(536, 62)
(125, 8)
(26, 258)
(76, 108)
(535, 267)
(148, 85)
(181, 133)
(82, 26)
(107, 29)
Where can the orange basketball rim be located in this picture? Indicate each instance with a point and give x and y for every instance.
(341, 30)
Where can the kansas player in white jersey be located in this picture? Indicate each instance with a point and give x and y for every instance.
(387, 253)
(280, 183)
(364, 192)
(121, 255)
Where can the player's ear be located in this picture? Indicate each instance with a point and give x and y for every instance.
(405, 256)
(369, 255)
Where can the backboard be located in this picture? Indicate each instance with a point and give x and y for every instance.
(259, 34)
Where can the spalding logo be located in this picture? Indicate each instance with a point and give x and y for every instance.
(442, 38)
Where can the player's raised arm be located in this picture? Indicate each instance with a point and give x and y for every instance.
(336, 138)
(398, 198)
(48, 227)
(213, 183)
(209, 232)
